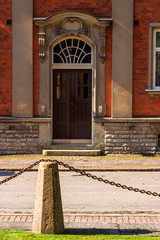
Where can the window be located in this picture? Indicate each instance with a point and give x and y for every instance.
(61, 85)
(72, 51)
(156, 60)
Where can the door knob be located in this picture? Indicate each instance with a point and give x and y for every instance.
(72, 103)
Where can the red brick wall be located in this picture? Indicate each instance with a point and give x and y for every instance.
(42, 8)
(5, 58)
(146, 11)
(99, 8)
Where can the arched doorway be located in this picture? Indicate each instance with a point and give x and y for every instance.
(74, 71)
(72, 91)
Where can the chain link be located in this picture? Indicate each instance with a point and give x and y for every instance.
(83, 173)
(20, 172)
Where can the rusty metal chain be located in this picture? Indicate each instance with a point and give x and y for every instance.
(21, 171)
(82, 172)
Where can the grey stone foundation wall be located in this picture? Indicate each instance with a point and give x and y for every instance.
(18, 138)
(23, 136)
(130, 138)
(130, 135)
(119, 136)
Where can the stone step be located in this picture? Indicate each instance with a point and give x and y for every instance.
(70, 147)
(71, 152)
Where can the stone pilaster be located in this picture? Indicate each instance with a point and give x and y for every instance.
(122, 59)
(22, 58)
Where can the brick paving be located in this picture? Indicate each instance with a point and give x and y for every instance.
(90, 218)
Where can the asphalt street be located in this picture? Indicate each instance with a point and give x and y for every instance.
(84, 195)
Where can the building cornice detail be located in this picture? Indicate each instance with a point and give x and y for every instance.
(27, 120)
(126, 120)
(44, 21)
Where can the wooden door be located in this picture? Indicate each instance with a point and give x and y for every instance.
(72, 105)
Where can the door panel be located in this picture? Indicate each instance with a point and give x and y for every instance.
(72, 104)
(83, 104)
(61, 105)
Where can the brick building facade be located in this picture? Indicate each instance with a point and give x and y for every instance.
(80, 72)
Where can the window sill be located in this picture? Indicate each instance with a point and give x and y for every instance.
(152, 93)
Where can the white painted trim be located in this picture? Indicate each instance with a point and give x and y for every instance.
(155, 50)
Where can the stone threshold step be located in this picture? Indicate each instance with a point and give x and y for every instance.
(71, 152)
(70, 147)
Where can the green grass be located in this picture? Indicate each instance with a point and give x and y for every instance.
(21, 235)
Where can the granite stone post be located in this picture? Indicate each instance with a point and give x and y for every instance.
(48, 213)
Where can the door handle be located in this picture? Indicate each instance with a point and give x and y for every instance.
(72, 105)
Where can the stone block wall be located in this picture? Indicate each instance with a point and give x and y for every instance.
(118, 136)
(19, 138)
(131, 137)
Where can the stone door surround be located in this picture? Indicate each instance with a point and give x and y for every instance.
(54, 29)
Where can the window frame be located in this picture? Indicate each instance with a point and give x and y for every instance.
(152, 90)
(155, 50)
(82, 50)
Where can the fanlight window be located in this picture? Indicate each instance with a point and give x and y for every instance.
(72, 51)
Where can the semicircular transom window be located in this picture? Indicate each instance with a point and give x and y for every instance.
(72, 51)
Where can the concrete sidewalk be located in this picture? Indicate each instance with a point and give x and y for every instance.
(110, 162)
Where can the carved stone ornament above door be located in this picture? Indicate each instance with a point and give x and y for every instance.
(72, 24)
